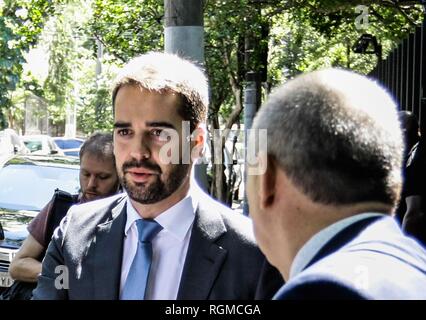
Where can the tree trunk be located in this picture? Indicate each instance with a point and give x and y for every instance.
(218, 187)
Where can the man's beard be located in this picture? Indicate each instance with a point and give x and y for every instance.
(86, 198)
(153, 192)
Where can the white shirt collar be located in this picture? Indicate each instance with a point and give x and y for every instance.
(316, 242)
(176, 219)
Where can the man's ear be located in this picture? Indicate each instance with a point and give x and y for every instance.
(198, 138)
(267, 182)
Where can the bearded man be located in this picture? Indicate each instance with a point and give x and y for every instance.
(163, 238)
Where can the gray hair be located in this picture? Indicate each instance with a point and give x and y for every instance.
(337, 136)
(162, 72)
(100, 145)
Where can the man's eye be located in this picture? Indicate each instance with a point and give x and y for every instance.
(161, 135)
(157, 132)
(123, 132)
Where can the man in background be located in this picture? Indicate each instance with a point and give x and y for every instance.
(98, 179)
(410, 133)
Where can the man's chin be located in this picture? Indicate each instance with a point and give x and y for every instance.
(142, 194)
(90, 197)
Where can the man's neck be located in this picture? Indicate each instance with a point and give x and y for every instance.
(319, 218)
(151, 211)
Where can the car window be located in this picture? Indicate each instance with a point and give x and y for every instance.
(59, 143)
(73, 153)
(18, 191)
(34, 145)
(68, 144)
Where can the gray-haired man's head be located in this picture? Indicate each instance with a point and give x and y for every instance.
(337, 137)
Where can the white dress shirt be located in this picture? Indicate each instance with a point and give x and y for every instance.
(314, 245)
(169, 248)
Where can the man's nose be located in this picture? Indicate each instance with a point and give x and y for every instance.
(92, 182)
(140, 150)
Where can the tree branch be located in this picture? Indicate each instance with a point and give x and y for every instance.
(236, 89)
(113, 53)
(227, 62)
(406, 16)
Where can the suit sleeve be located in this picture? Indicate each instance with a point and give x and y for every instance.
(53, 281)
(270, 282)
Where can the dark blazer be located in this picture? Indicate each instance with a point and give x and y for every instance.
(223, 261)
(370, 259)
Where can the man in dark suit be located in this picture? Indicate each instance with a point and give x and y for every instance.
(164, 238)
(322, 192)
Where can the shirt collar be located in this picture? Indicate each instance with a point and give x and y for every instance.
(316, 242)
(176, 219)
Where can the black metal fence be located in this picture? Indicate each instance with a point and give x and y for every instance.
(403, 72)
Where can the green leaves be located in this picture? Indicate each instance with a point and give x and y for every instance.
(21, 22)
(128, 27)
(294, 35)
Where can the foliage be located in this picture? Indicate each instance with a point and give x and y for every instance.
(95, 112)
(299, 35)
(128, 28)
(16, 112)
(72, 83)
(124, 29)
(317, 34)
(286, 36)
(21, 22)
(224, 51)
(61, 36)
(302, 36)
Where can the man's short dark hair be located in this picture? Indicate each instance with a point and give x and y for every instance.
(163, 72)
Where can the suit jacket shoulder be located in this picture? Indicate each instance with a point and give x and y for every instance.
(85, 253)
(238, 225)
(379, 263)
(223, 260)
(82, 220)
(93, 212)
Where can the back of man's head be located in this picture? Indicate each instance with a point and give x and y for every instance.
(337, 136)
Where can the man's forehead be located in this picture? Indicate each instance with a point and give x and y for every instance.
(98, 158)
(162, 94)
(151, 104)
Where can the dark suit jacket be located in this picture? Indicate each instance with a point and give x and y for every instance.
(223, 261)
(370, 259)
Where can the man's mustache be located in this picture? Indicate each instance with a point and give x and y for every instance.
(141, 164)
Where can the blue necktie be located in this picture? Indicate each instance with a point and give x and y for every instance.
(137, 279)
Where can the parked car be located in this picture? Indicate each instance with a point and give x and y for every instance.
(69, 146)
(41, 144)
(10, 144)
(27, 184)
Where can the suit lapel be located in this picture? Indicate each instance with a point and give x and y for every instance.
(204, 258)
(108, 254)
